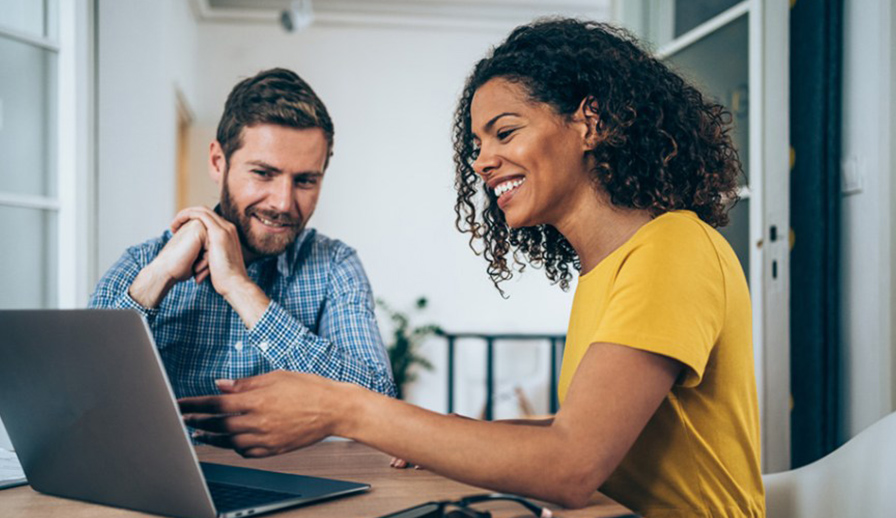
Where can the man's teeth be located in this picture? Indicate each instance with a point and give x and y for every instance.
(269, 222)
(508, 185)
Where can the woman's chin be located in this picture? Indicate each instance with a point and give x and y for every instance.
(515, 221)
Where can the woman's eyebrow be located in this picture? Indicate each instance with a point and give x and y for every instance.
(490, 123)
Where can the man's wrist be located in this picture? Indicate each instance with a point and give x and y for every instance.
(248, 300)
(150, 286)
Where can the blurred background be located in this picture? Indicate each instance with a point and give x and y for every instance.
(107, 109)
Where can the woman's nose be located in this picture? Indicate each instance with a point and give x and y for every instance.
(485, 163)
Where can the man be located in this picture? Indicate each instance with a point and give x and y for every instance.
(267, 292)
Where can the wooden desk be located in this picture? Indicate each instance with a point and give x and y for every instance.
(392, 489)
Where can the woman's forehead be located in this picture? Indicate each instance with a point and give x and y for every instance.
(496, 97)
(499, 91)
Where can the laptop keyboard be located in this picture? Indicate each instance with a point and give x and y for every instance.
(229, 497)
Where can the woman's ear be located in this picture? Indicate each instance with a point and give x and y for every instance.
(587, 115)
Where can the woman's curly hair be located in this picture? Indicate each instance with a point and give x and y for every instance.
(662, 145)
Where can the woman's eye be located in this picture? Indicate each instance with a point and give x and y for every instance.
(503, 134)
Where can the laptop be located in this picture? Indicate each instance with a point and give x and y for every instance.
(91, 414)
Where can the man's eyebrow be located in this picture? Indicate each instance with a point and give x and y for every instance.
(264, 165)
(268, 167)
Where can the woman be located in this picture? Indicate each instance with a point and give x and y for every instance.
(576, 150)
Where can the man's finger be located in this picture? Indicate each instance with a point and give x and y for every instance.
(201, 263)
(202, 276)
(182, 217)
(207, 216)
(200, 269)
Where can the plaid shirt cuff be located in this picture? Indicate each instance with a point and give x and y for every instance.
(275, 333)
(288, 345)
(126, 302)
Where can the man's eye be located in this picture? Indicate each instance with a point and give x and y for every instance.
(305, 182)
(261, 173)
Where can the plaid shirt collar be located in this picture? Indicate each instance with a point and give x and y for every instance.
(291, 258)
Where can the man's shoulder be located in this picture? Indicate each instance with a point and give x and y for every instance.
(330, 259)
(325, 247)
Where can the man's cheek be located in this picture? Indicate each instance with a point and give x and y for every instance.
(307, 206)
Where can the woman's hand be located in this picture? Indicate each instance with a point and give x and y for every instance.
(401, 464)
(268, 414)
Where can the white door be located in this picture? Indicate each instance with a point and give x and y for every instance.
(737, 53)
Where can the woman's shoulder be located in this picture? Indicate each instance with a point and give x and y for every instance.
(672, 243)
(677, 231)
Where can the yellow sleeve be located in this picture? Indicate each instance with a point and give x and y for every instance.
(668, 298)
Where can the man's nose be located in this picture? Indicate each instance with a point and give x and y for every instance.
(281, 195)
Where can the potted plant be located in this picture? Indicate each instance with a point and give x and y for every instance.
(406, 340)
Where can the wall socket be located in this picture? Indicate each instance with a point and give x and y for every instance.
(851, 175)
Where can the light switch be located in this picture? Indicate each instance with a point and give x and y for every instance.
(851, 175)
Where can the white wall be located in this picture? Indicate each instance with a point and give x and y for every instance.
(868, 215)
(146, 52)
(388, 193)
(389, 189)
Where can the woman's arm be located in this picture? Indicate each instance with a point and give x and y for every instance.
(545, 421)
(614, 393)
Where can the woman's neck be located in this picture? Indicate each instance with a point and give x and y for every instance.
(595, 228)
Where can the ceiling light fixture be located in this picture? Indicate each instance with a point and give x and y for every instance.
(299, 16)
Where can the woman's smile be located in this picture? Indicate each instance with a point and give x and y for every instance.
(507, 188)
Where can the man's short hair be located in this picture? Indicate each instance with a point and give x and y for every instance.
(276, 96)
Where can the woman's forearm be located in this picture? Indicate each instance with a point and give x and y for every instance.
(538, 461)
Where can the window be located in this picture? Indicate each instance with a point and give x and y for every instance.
(29, 194)
(46, 101)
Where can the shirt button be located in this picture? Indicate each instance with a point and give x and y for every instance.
(238, 346)
(264, 346)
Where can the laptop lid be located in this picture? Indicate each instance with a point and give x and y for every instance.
(95, 419)
(89, 409)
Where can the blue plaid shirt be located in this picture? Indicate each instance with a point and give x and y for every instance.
(320, 319)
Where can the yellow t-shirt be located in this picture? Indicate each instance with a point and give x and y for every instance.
(676, 288)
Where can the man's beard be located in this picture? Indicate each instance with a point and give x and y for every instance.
(264, 244)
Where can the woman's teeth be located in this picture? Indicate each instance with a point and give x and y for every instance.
(508, 186)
